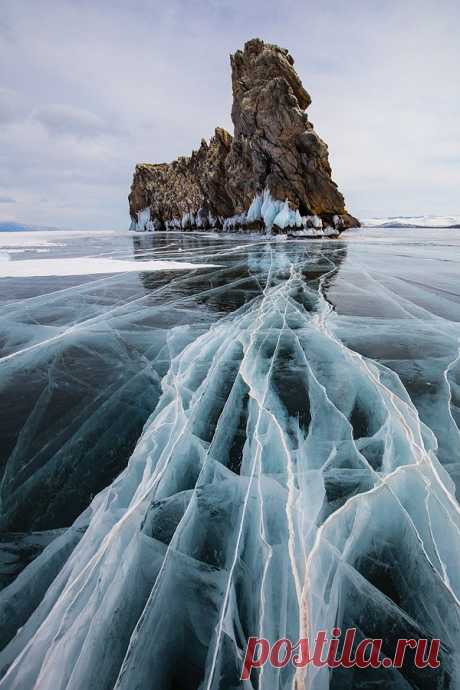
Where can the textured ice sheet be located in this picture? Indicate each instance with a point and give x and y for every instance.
(296, 469)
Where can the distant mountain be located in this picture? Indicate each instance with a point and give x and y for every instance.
(11, 226)
(413, 222)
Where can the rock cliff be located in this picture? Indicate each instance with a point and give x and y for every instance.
(273, 175)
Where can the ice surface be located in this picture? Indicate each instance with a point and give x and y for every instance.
(291, 422)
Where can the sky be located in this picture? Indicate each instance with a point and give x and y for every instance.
(89, 88)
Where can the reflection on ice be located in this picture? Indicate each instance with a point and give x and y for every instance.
(296, 470)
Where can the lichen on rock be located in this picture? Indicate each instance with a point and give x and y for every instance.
(273, 175)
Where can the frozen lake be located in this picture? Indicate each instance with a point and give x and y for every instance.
(205, 438)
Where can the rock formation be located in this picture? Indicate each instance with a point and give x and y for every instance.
(273, 175)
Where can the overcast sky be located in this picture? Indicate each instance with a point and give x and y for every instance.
(90, 88)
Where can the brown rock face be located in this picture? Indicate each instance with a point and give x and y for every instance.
(273, 175)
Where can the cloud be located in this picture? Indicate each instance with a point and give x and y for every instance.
(11, 108)
(7, 200)
(105, 84)
(66, 119)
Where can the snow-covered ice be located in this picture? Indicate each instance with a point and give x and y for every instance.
(86, 266)
(267, 446)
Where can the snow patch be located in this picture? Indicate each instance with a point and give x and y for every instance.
(88, 266)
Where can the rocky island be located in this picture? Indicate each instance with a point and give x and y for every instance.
(273, 175)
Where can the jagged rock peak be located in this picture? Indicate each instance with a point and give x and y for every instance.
(273, 175)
